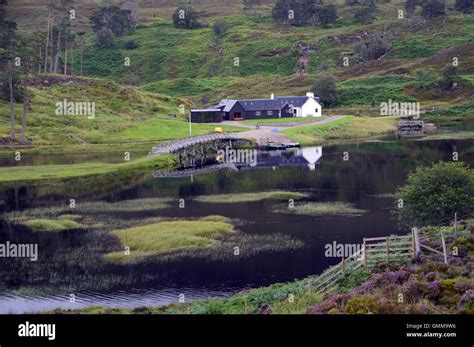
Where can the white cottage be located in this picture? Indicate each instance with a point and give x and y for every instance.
(303, 106)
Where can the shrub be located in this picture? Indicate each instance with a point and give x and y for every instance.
(433, 290)
(185, 17)
(361, 305)
(412, 291)
(220, 27)
(432, 8)
(432, 195)
(325, 88)
(327, 15)
(364, 14)
(105, 38)
(450, 75)
(131, 44)
(467, 299)
(18, 88)
(372, 48)
(464, 6)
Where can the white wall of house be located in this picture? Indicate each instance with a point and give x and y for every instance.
(311, 108)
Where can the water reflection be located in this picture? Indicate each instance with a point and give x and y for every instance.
(72, 261)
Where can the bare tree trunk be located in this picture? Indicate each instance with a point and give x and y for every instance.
(12, 107)
(39, 64)
(65, 57)
(82, 44)
(56, 58)
(23, 118)
(25, 107)
(51, 40)
(47, 43)
(71, 49)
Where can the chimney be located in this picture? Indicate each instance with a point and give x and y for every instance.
(310, 95)
(272, 96)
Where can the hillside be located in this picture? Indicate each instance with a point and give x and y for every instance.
(172, 67)
(123, 114)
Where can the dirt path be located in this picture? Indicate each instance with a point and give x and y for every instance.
(268, 133)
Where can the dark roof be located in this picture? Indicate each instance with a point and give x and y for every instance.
(296, 101)
(262, 104)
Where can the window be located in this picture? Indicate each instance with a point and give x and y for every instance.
(294, 111)
(269, 113)
(258, 113)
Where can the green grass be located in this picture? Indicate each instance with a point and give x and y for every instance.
(374, 90)
(249, 197)
(187, 86)
(117, 108)
(168, 236)
(342, 129)
(49, 225)
(321, 208)
(170, 129)
(42, 172)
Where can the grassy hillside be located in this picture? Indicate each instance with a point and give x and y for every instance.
(183, 62)
(173, 67)
(122, 114)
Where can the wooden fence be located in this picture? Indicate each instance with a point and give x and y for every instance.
(374, 251)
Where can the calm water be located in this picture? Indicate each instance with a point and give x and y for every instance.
(70, 262)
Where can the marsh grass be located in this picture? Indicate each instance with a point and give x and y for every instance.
(168, 236)
(94, 207)
(250, 197)
(49, 225)
(320, 209)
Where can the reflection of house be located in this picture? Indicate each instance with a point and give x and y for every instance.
(308, 157)
(275, 107)
(312, 155)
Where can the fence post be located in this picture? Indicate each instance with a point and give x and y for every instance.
(310, 286)
(342, 264)
(386, 248)
(417, 240)
(444, 249)
(365, 254)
